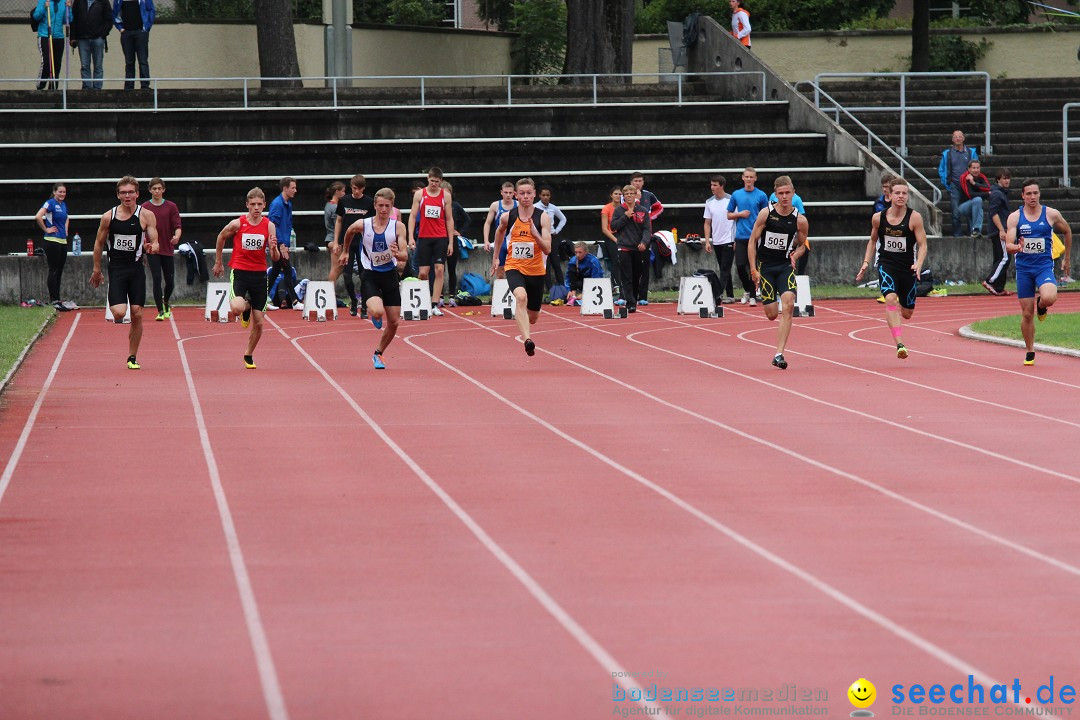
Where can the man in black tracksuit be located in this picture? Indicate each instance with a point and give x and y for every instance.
(999, 217)
(91, 21)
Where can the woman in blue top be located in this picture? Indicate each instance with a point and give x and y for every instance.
(52, 218)
(51, 17)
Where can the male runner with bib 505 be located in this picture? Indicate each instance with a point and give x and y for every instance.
(1029, 233)
(126, 232)
(253, 234)
(776, 244)
(528, 240)
(381, 247)
(895, 234)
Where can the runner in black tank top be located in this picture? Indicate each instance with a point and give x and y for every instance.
(126, 233)
(899, 241)
(776, 244)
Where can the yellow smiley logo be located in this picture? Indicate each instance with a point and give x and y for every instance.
(862, 693)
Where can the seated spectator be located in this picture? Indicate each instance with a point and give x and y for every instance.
(975, 187)
(281, 281)
(582, 265)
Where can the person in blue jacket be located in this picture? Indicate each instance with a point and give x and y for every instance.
(582, 265)
(954, 163)
(134, 18)
(51, 17)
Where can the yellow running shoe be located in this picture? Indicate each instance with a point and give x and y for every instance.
(249, 362)
(901, 351)
(1029, 359)
(245, 318)
(133, 364)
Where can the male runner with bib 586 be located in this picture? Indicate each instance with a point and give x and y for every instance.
(895, 235)
(528, 240)
(382, 245)
(126, 232)
(253, 234)
(776, 244)
(1029, 233)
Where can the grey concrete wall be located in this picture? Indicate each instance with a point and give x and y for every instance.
(831, 261)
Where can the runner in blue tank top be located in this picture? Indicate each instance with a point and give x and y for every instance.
(500, 207)
(1029, 238)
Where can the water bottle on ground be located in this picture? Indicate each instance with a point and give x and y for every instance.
(76, 245)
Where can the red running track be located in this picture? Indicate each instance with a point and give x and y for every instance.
(477, 534)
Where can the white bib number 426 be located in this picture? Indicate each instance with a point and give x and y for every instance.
(522, 251)
(1034, 245)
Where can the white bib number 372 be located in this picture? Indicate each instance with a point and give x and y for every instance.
(522, 251)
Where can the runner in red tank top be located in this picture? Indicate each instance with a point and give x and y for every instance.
(432, 214)
(252, 236)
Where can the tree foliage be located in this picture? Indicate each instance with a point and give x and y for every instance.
(599, 37)
(540, 47)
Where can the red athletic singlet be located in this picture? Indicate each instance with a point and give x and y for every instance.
(249, 245)
(431, 211)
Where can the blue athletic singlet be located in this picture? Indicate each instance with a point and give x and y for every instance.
(1034, 238)
(376, 254)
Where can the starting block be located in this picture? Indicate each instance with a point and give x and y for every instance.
(597, 298)
(696, 298)
(502, 300)
(804, 306)
(321, 300)
(217, 302)
(109, 315)
(415, 300)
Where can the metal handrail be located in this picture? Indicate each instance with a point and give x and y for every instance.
(904, 108)
(333, 81)
(871, 135)
(1065, 140)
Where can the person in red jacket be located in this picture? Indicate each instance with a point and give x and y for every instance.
(975, 189)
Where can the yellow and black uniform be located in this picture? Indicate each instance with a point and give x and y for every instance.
(774, 249)
(525, 262)
(896, 256)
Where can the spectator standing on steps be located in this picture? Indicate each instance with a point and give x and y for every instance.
(976, 189)
(740, 22)
(51, 17)
(134, 18)
(999, 218)
(954, 163)
(91, 21)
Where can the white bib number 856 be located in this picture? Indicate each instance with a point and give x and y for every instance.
(124, 243)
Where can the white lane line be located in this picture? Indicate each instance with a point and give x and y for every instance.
(20, 445)
(885, 623)
(606, 661)
(275, 701)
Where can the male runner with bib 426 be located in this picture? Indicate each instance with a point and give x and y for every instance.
(380, 250)
(253, 234)
(895, 235)
(126, 232)
(528, 239)
(1029, 233)
(776, 244)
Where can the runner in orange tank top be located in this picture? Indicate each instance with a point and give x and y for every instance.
(529, 243)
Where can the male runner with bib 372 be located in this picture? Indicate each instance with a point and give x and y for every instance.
(253, 235)
(776, 244)
(381, 247)
(126, 232)
(528, 240)
(896, 233)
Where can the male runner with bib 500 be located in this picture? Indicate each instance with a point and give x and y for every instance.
(253, 234)
(895, 235)
(1029, 233)
(776, 244)
(126, 232)
(528, 240)
(382, 246)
